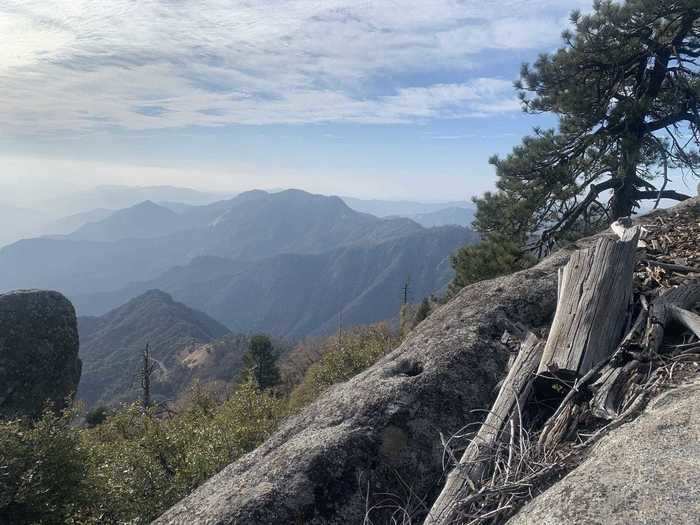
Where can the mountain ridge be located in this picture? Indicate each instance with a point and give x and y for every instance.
(294, 295)
(254, 226)
(112, 344)
(144, 220)
(289, 263)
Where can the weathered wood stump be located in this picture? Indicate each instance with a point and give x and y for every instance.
(596, 289)
(585, 350)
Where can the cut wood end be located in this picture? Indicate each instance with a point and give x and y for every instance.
(624, 229)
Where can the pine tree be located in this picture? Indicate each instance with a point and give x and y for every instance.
(147, 371)
(261, 362)
(492, 257)
(625, 89)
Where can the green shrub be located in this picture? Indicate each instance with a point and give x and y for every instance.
(423, 311)
(43, 470)
(143, 464)
(130, 468)
(96, 416)
(358, 349)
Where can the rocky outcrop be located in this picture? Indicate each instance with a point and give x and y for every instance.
(645, 472)
(379, 433)
(38, 352)
(373, 444)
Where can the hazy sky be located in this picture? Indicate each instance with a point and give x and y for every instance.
(382, 98)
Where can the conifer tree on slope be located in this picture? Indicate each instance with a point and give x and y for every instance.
(261, 362)
(625, 88)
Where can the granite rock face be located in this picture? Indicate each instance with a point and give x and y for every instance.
(379, 433)
(38, 352)
(647, 471)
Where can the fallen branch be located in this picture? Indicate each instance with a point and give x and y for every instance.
(671, 267)
(661, 312)
(476, 457)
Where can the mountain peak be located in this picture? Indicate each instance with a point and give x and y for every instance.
(147, 204)
(143, 220)
(249, 195)
(111, 345)
(154, 294)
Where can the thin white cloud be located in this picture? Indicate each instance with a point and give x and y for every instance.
(92, 64)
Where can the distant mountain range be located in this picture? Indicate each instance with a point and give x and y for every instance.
(117, 197)
(70, 223)
(142, 221)
(289, 263)
(447, 216)
(180, 341)
(294, 295)
(388, 208)
(65, 214)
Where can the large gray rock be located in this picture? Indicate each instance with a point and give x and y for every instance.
(379, 433)
(376, 438)
(38, 352)
(646, 472)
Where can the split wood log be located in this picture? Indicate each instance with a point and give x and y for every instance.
(688, 319)
(558, 425)
(477, 456)
(665, 309)
(611, 390)
(591, 315)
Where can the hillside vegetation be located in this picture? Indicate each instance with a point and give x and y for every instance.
(130, 465)
(129, 468)
(180, 341)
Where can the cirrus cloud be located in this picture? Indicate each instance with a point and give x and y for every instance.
(94, 64)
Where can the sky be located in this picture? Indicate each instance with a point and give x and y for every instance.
(386, 98)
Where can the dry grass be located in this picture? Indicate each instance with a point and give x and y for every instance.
(519, 468)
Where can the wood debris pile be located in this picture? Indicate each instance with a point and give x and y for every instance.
(626, 326)
(671, 254)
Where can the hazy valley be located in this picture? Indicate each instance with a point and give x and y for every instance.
(287, 263)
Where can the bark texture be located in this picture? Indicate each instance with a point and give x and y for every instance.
(595, 292)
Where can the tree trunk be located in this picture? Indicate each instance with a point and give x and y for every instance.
(590, 317)
(477, 456)
(146, 378)
(624, 195)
